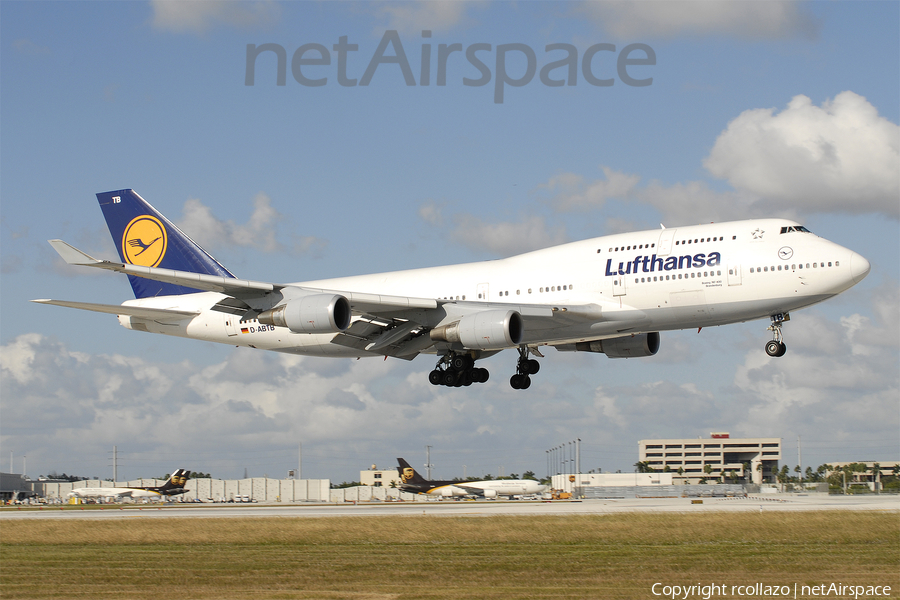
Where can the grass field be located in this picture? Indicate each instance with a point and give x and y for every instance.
(369, 558)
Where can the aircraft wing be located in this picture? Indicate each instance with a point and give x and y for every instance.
(155, 314)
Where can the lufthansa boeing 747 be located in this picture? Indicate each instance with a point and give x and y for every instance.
(610, 295)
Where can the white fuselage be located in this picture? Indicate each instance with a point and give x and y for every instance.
(490, 488)
(657, 280)
(113, 492)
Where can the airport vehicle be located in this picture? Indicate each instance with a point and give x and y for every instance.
(411, 481)
(610, 295)
(172, 487)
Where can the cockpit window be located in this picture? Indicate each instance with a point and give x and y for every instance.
(795, 228)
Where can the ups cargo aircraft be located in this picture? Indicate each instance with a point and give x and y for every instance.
(411, 481)
(610, 295)
(172, 487)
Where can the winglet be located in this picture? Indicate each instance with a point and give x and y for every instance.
(71, 254)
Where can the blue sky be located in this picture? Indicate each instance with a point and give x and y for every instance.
(286, 183)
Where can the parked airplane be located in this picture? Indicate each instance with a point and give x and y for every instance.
(610, 295)
(172, 487)
(411, 481)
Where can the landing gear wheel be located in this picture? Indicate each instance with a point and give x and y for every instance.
(520, 382)
(457, 370)
(461, 362)
(776, 347)
(480, 375)
(532, 366)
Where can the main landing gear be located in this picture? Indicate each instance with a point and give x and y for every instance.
(776, 347)
(524, 369)
(457, 370)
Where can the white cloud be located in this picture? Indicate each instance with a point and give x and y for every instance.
(198, 16)
(839, 377)
(505, 238)
(744, 19)
(260, 231)
(573, 192)
(840, 157)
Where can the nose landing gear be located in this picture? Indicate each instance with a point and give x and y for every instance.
(776, 347)
(524, 369)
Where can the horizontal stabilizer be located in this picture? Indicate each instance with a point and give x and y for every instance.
(141, 312)
(196, 281)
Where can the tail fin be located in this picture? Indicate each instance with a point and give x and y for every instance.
(144, 237)
(408, 475)
(175, 483)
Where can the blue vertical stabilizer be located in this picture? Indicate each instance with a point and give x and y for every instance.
(144, 237)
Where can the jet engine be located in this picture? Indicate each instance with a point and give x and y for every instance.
(317, 313)
(485, 330)
(490, 493)
(629, 346)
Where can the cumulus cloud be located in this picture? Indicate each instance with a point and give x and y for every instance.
(190, 16)
(838, 376)
(574, 192)
(259, 232)
(744, 19)
(838, 157)
(505, 238)
(841, 157)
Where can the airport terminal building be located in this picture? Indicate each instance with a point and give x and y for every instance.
(753, 459)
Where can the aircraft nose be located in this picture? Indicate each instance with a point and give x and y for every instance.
(859, 267)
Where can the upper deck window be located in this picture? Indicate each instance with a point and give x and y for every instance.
(800, 228)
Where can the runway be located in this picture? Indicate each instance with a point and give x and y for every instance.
(767, 503)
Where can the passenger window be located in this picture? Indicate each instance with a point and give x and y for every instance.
(829, 264)
(837, 263)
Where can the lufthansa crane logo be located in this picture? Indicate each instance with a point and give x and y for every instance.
(144, 242)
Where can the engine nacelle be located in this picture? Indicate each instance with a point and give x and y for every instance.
(318, 313)
(490, 493)
(629, 346)
(485, 330)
